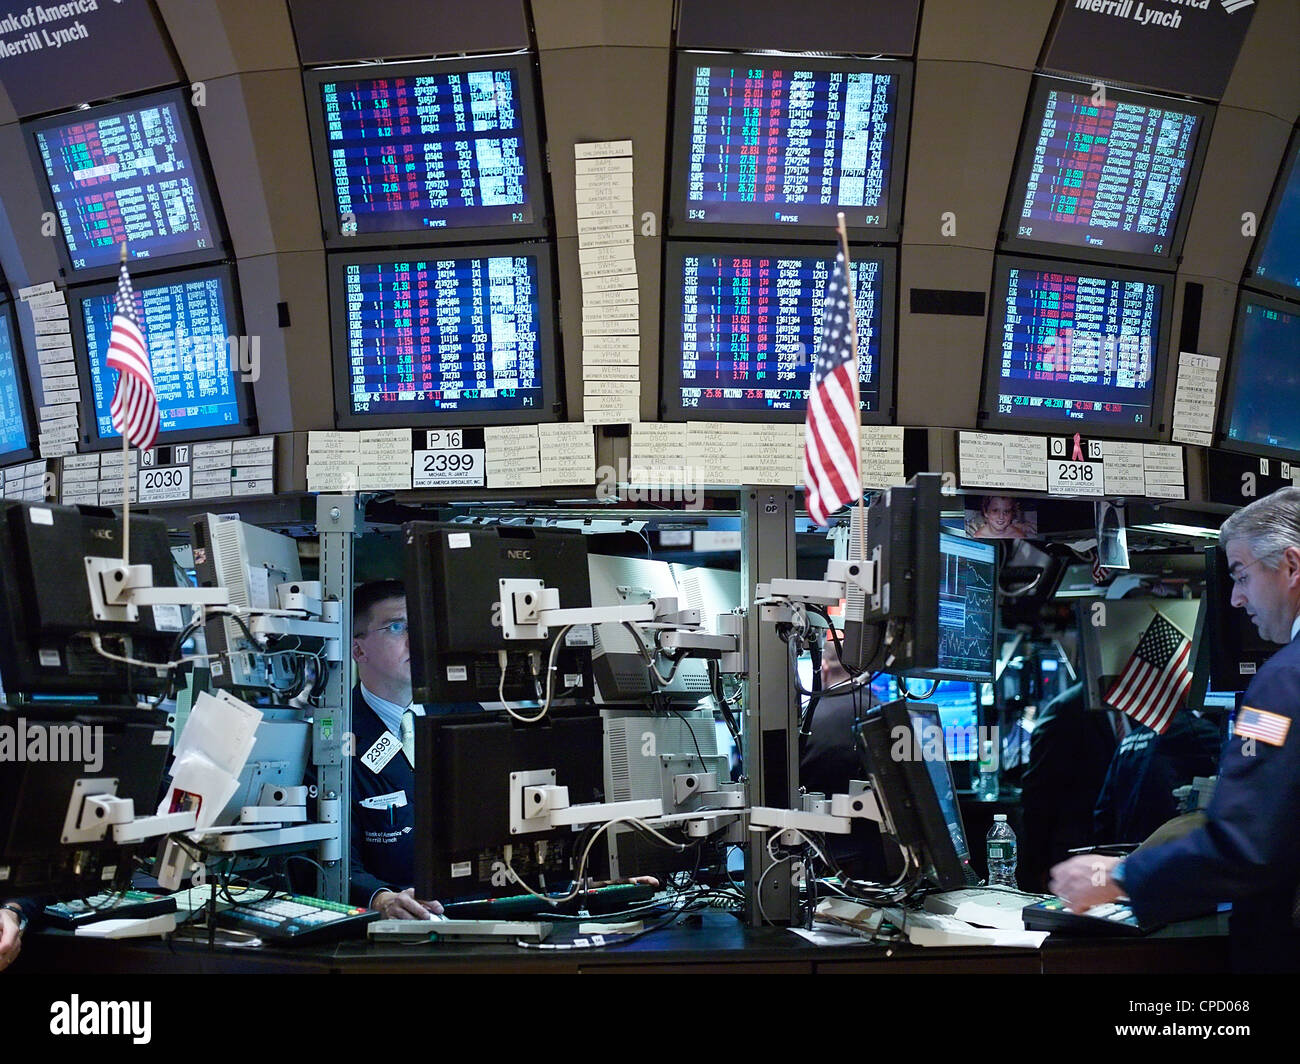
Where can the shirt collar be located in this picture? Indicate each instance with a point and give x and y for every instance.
(1295, 626)
(389, 713)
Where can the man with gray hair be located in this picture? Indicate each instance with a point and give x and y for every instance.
(1248, 850)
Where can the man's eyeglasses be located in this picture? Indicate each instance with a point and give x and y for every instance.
(393, 628)
(1240, 577)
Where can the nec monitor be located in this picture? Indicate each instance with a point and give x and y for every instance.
(1237, 650)
(743, 326)
(46, 608)
(453, 575)
(131, 171)
(15, 400)
(1105, 174)
(438, 337)
(427, 152)
(1075, 348)
(1260, 414)
(191, 326)
(774, 147)
(1275, 261)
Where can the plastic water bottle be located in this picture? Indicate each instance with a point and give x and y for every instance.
(985, 784)
(1002, 853)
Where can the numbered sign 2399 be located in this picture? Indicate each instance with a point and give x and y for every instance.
(447, 462)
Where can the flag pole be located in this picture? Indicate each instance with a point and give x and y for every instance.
(857, 402)
(126, 478)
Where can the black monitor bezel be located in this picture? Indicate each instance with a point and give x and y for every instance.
(1009, 241)
(677, 224)
(90, 438)
(25, 398)
(1232, 375)
(530, 123)
(670, 376)
(991, 419)
(205, 188)
(549, 354)
(1290, 171)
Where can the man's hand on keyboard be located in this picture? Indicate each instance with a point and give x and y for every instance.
(392, 905)
(1084, 881)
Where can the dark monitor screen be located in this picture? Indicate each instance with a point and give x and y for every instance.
(763, 145)
(128, 171)
(1109, 178)
(435, 337)
(14, 397)
(743, 324)
(191, 327)
(1075, 347)
(1260, 411)
(1275, 261)
(427, 152)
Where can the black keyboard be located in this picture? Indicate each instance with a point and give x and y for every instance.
(130, 905)
(599, 900)
(1113, 918)
(294, 918)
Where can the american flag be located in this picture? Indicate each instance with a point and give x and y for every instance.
(1156, 678)
(832, 435)
(1260, 724)
(135, 403)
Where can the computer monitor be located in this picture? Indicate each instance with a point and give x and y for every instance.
(69, 753)
(916, 791)
(957, 703)
(743, 325)
(463, 785)
(769, 146)
(444, 336)
(959, 607)
(46, 608)
(1106, 173)
(279, 758)
(15, 399)
(1075, 348)
(1237, 650)
(192, 328)
(1259, 414)
(453, 596)
(131, 171)
(1274, 264)
(429, 152)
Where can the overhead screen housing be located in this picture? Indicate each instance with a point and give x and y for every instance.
(743, 323)
(432, 152)
(773, 147)
(1075, 347)
(191, 323)
(1105, 179)
(432, 337)
(15, 398)
(132, 171)
(1259, 412)
(1275, 261)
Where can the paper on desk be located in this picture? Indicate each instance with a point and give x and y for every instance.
(979, 936)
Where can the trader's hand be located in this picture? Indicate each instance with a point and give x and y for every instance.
(11, 941)
(392, 905)
(1084, 881)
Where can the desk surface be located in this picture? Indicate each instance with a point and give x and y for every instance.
(713, 942)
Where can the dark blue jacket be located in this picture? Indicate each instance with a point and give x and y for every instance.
(383, 839)
(1248, 852)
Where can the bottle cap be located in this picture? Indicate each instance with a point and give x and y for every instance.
(999, 816)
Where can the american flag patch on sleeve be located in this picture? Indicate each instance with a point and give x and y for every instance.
(1259, 724)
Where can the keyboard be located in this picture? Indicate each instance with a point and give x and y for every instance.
(1113, 918)
(983, 906)
(611, 899)
(459, 930)
(295, 918)
(131, 905)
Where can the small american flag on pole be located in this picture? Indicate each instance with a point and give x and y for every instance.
(135, 403)
(832, 434)
(1156, 678)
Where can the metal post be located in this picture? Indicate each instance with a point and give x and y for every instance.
(771, 720)
(338, 519)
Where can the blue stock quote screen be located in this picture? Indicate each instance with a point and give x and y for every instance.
(752, 324)
(790, 146)
(1108, 175)
(12, 434)
(187, 333)
(125, 177)
(443, 334)
(1078, 348)
(431, 152)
